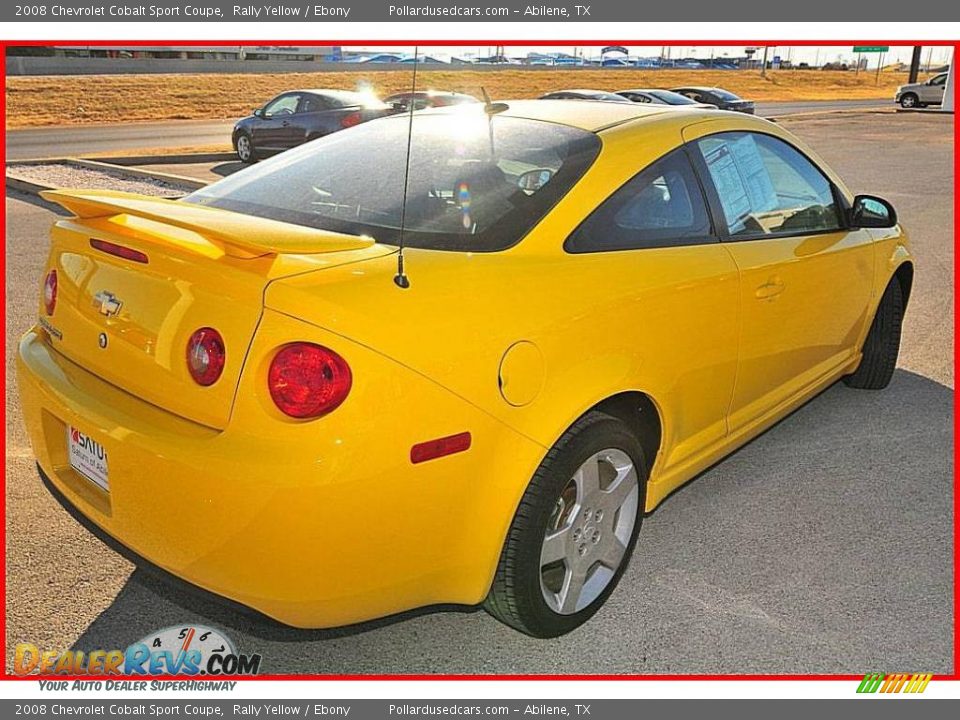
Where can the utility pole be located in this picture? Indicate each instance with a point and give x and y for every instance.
(879, 67)
(915, 64)
(763, 68)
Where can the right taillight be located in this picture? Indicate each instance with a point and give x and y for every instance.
(307, 380)
(50, 292)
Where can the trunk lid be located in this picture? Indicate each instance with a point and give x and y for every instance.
(129, 321)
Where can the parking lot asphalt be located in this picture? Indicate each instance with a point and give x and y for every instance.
(823, 546)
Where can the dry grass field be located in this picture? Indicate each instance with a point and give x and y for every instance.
(55, 100)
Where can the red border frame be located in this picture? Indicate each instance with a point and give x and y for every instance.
(474, 42)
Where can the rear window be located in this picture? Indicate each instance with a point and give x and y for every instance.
(724, 95)
(476, 183)
(672, 97)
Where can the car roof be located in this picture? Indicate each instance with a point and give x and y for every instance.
(430, 94)
(589, 116)
(701, 88)
(580, 91)
(324, 91)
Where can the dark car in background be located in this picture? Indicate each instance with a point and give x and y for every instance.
(427, 99)
(718, 97)
(601, 95)
(662, 97)
(298, 116)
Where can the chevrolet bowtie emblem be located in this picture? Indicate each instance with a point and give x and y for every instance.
(107, 303)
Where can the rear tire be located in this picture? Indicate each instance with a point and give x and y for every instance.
(246, 151)
(882, 346)
(567, 548)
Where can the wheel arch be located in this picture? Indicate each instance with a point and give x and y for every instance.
(904, 275)
(641, 414)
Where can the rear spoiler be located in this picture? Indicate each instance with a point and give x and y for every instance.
(237, 234)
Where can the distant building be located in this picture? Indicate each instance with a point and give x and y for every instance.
(312, 53)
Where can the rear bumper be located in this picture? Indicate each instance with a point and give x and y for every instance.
(312, 524)
(140, 561)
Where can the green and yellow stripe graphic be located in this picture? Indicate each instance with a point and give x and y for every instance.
(895, 683)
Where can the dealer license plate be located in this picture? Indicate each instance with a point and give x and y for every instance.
(87, 457)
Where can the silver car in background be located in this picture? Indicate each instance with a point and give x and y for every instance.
(929, 92)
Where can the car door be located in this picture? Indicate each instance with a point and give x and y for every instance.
(313, 118)
(805, 279)
(933, 92)
(275, 130)
(677, 288)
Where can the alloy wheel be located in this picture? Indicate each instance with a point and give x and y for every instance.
(589, 531)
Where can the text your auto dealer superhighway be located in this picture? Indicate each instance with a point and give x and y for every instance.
(135, 11)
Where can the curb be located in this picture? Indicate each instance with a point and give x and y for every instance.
(137, 172)
(925, 111)
(839, 111)
(25, 186)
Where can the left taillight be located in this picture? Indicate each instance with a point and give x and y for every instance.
(206, 356)
(50, 292)
(354, 118)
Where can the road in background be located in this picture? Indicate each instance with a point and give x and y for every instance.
(83, 140)
(823, 546)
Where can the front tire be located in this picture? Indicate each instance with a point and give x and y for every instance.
(909, 100)
(574, 530)
(882, 346)
(246, 152)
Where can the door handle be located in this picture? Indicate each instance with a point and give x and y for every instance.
(286, 123)
(770, 289)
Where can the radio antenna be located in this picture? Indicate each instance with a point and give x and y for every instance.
(400, 279)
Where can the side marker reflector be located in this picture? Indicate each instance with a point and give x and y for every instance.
(421, 452)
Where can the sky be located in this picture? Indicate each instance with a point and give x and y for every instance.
(809, 54)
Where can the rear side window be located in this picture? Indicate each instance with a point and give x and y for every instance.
(314, 103)
(767, 187)
(663, 206)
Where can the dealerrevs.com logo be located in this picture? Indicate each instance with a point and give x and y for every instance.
(176, 650)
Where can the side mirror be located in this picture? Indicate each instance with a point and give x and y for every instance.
(258, 113)
(869, 211)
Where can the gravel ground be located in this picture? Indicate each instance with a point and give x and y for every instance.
(824, 546)
(68, 175)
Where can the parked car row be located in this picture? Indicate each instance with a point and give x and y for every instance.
(298, 116)
(701, 97)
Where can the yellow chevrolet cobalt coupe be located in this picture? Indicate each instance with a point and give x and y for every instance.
(597, 301)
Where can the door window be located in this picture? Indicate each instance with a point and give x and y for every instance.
(663, 206)
(767, 187)
(283, 105)
(314, 103)
(939, 79)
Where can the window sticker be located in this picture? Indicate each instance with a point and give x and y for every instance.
(742, 181)
(730, 187)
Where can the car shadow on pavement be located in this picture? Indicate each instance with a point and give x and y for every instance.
(228, 168)
(823, 546)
